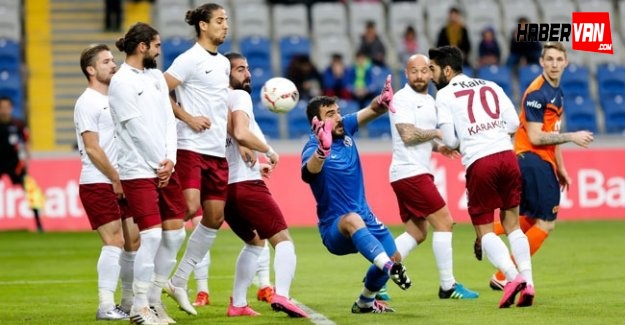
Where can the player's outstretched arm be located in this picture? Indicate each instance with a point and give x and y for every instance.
(412, 135)
(540, 138)
(379, 105)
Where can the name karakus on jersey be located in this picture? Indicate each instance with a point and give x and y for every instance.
(591, 32)
(476, 128)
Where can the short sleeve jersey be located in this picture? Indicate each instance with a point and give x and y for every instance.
(418, 110)
(541, 103)
(205, 78)
(238, 170)
(93, 114)
(478, 109)
(339, 187)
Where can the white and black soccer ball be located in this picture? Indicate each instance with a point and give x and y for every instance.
(279, 95)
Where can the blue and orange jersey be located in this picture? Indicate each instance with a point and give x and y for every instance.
(541, 103)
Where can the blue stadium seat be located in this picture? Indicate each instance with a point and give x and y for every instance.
(291, 46)
(226, 46)
(378, 77)
(348, 106)
(527, 74)
(500, 75)
(614, 109)
(574, 81)
(580, 114)
(11, 86)
(257, 50)
(268, 121)
(468, 71)
(259, 77)
(380, 127)
(298, 124)
(172, 47)
(611, 80)
(9, 55)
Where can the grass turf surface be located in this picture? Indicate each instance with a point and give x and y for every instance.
(51, 279)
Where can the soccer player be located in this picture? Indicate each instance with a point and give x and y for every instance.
(100, 188)
(248, 194)
(483, 117)
(146, 129)
(537, 145)
(413, 132)
(332, 168)
(200, 79)
(15, 149)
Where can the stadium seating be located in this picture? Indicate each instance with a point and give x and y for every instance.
(362, 12)
(290, 46)
(11, 86)
(527, 74)
(257, 50)
(259, 77)
(10, 26)
(348, 106)
(268, 122)
(291, 20)
(380, 127)
(580, 114)
(226, 46)
(298, 125)
(9, 55)
(437, 12)
(611, 80)
(171, 23)
(614, 111)
(251, 19)
(404, 14)
(512, 11)
(500, 75)
(172, 47)
(328, 19)
(328, 45)
(378, 77)
(575, 81)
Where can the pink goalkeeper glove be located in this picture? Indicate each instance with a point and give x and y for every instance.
(323, 132)
(386, 96)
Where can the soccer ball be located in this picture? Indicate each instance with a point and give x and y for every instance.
(279, 95)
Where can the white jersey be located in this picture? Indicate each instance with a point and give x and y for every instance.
(238, 170)
(205, 79)
(92, 113)
(144, 121)
(419, 110)
(482, 115)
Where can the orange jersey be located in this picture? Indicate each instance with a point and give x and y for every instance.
(541, 103)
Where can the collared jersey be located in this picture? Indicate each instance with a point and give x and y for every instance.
(541, 103)
(418, 110)
(238, 170)
(142, 95)
(92, 113)
(339, 187)
(203, 90)
(482, 114)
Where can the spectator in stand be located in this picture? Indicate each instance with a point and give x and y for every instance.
(455, 34)
(371, 45)
(489, 52)
(409, 45)
(335, 78)
(521, 52)
(112, 15)
(360, 80)
(305, 76)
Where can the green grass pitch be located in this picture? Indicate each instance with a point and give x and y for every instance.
(51, 279)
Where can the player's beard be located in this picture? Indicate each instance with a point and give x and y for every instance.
(336, 134)
(441, 82)
(243, 85)
(419, 86)
(149, 63)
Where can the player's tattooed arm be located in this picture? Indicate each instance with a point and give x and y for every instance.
(553, 138)
(412, 135)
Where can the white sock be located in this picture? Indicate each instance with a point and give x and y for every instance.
(443, 254)
(284, 267)
(201, 273)
(127, 264)
(144, 265)
(200, 241)
(247, 263)
(405, 244)
(497, 253)
(108, 274)
(164, 262)
(381, 260)
(263, 267)
(520, 248)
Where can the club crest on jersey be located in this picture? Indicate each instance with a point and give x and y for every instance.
(348, 141)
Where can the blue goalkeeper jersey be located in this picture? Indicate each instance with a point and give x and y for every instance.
(339, 187)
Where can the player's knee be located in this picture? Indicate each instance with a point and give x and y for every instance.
(351, 222)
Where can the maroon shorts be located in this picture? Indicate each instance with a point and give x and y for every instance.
(150, 205)
(250, 207)
(206, 173)
(417, 196)
(100, 203)
(493, 182)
